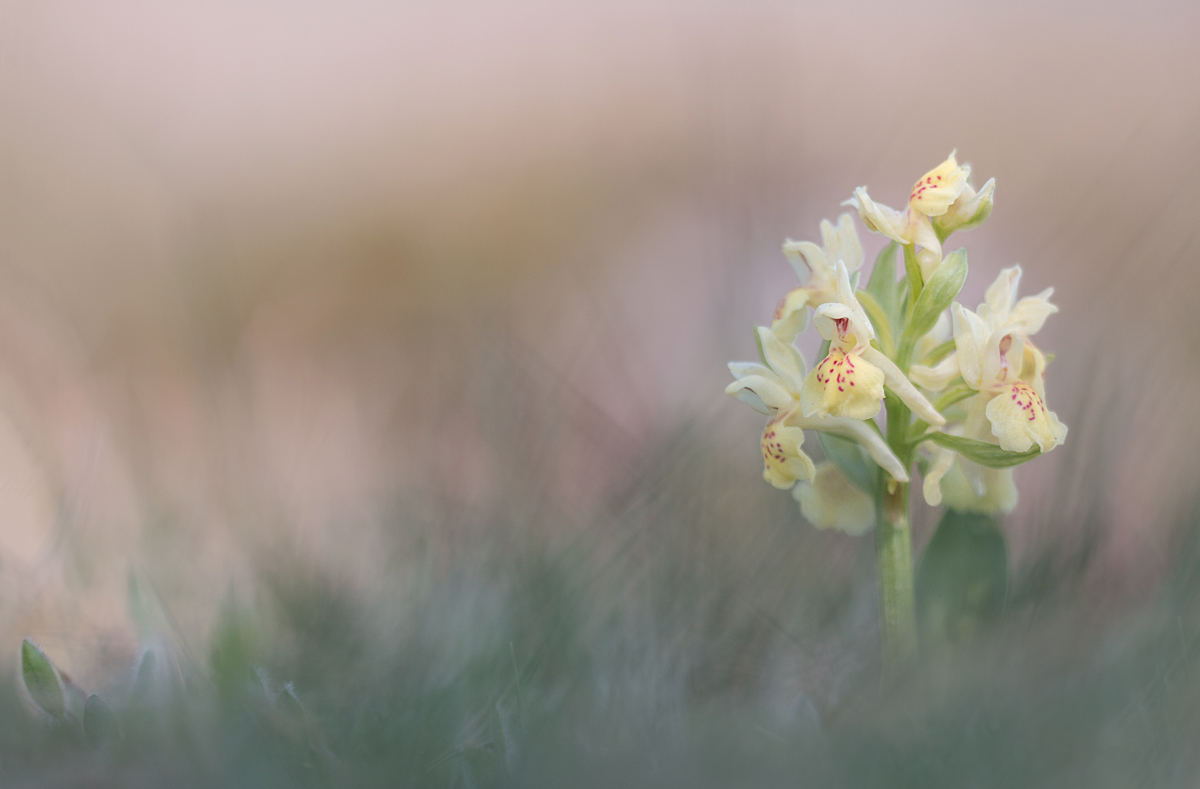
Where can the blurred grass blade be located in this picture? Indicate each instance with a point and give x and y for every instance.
(41, 680)
(99, 722)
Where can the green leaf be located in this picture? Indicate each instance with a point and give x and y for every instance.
(912, 271)
(940, 352)
(99, 722)
(941, 289)
(955, 395)
(234, 649)
(983, 453)
(850, 460)
(41, 680)
(758, 344)
(882, 285)
(881, 322)
(962, 580)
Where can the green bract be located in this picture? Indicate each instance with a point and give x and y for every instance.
(983, 453)
(937, 294)
(850, 460)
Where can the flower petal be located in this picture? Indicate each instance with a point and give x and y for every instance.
(970, 340)
(996, 493)
(831, 501)
(1020, 419)
(938, 377)
(1031, 312)
(843, 384)
(791, 314)
(769, 390)
(743, 369)
(808, 261)
(933, 193)
(879, 218)
(1000, 297)
(783, 461)
(857, 431)
(857, 330)
(969, 210)
(902, 387)
(922, 234)
(931, 486)
(783, 359)
(1003, 360)
(841, 243)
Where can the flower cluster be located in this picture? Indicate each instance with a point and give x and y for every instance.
(964, 390)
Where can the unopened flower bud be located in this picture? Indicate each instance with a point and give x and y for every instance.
(968, 211)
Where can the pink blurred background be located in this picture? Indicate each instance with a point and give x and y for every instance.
(271, 274)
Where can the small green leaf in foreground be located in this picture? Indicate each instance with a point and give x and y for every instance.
(99, 722)
(41, 680)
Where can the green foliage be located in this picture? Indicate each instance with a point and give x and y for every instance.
(851, 460)
(912, 274)
(962, 578)
(41, 680)
(762, 357)
(983, 453)
(696, 638)
(937, 294)
(234, 649)
(99, 722)
(879, 319)
(883, 286)
(940, 352)
(954, 395)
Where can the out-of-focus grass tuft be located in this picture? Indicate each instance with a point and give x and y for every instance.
(694, 635)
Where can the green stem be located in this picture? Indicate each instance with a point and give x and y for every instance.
(893, 552)
(893, 548)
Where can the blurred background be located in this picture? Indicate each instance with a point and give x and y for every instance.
(400, 330)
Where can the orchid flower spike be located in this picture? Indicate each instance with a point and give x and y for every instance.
(815, 267)
(849, 381)
(774, 389)
(932, 196)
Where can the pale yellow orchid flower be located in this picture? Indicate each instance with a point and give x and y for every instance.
(832, 501)
(997, 359)
(1008, 373)
(815, 267)
(774, 389)
(850, 380)
(995, 356)
(932, 195)
(999, 312)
